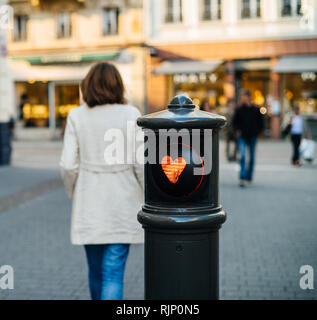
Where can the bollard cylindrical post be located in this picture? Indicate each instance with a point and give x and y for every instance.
(181, 215)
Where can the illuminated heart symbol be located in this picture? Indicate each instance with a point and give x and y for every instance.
(173, 168)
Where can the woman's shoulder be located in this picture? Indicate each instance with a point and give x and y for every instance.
(73, 113)
(131, 111)
(131, 108)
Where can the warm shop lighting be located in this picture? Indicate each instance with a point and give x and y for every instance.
(38, 111)
(196, 102)
(222, 100)
(289, 95)
(263, 110)
(259, 98)
(63, 110)
(27, 111)
(212, 101)
(35, 3)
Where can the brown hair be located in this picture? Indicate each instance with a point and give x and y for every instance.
(103, 85)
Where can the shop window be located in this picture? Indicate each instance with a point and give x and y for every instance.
(291, 8)
(66, 98)
(173, 12)
(20, 27)
(33, 103)
(110, 21)
(64, 25)
(250, 9)
(201, 87)
(33, 108)
(211, 10)
(257, 82)
(300, 89)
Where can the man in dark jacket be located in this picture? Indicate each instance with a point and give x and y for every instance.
(248, 124)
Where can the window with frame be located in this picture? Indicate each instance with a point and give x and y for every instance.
(251, 9)
(110, 21)
(291, 8)
(173, 11)
(64, 25)
(20, 27)
(211, 10)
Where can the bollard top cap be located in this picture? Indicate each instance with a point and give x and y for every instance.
(181, 113)
(181, 101)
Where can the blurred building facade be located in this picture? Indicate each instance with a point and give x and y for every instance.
(7, 112)
(6, 91)
(212, 48)
(54, 43)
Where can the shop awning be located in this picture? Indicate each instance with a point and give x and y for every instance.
(296, 64)
(67, 57)
(187, 66)
(23, 71)
(252, 65)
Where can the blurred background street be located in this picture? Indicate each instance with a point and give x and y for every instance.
(208, 50)
(269, 234)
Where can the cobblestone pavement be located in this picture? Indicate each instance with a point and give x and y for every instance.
(270, 231)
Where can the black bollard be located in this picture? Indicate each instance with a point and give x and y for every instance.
(181, 215)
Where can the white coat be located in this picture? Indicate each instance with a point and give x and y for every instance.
(105, 197)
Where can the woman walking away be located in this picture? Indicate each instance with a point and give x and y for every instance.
(105, 197)
(298, 128)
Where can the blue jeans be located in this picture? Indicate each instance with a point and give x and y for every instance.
(106, 264)
(246, 172)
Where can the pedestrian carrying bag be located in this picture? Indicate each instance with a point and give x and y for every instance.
(307, 149)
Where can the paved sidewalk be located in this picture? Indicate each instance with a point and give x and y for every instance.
(270, 231)
(36, 154)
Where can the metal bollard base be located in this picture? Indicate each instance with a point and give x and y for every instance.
(181, 263)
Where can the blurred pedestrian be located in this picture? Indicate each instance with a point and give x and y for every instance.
(7, 120)
(23, 101)
(229, 132)
(298, 128)
(106, 197)
(248, 124)
(205, 105)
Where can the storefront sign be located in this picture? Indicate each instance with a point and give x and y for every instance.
(61, 58)
(48, 59)
(308, 76)
(194, 78)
